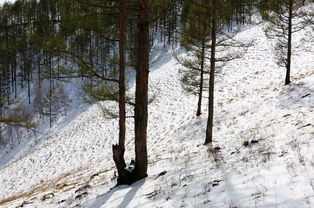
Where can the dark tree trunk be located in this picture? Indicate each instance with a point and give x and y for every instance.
(288, 64)
(200, 95)
(39, 69)
(118, 158)
(141, 93)
(141, 102)
(28, 82)
(15, 75)
(50, 90)
(209, 129)
(118, 150)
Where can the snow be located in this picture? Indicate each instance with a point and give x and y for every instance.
(4, 1)
(73, 166)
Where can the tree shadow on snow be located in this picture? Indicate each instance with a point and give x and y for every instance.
(193, 129)
(100, 201)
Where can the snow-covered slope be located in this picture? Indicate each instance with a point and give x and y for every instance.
(74, 167)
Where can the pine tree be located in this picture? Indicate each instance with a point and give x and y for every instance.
(119, 149)
(285, 18)
(214, 23)
(194, 39)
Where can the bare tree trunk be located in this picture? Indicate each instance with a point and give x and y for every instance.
(200, 95)
(118, 150)
(50, 90)
(209, 129)
(141, 93)
(288, 64)
(39, 71)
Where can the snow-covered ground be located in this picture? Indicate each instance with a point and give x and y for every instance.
(73, 167)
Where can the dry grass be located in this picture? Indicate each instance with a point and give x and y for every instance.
(244, 113)
(41, 187)
(65, 182)
(213, 153)
(302, 76)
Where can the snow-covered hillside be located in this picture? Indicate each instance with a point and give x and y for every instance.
(74, 166)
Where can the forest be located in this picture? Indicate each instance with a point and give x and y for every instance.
(108, 49)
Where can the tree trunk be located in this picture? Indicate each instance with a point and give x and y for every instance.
(141, 93)
(39, 71)
(209, 129)
(118, 150)
(288, 64)
(118, 158)
(50, 91)
(200, 95)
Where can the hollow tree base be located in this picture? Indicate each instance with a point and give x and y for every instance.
(125, 177)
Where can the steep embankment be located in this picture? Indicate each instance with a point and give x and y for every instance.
(74, 167)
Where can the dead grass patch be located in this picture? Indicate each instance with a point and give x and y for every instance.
(42, 186)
